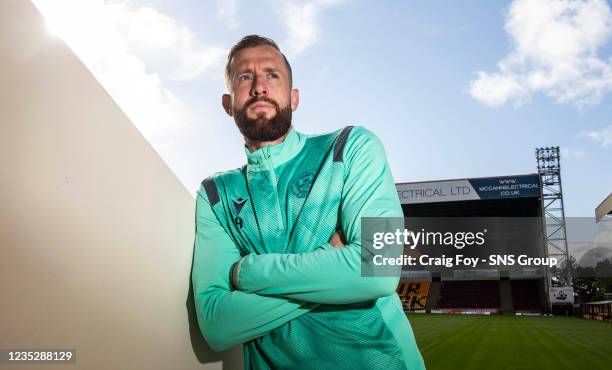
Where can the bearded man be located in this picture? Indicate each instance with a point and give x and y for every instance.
(277, 259)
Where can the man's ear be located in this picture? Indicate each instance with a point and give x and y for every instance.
(295, 99)
(226, 101)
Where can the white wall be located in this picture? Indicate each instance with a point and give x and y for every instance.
(96, 232)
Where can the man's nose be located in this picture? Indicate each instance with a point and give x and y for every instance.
(259, 86)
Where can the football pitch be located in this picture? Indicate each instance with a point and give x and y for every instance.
(474, 342)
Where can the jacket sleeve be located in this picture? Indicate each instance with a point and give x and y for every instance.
(227, 317)
(333, 275)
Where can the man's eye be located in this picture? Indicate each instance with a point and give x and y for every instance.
(244, 78)
(273, 75)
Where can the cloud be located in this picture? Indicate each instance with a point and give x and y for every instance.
(495, 88)
(555, 45)
(603, 136)
(167, 47)
(300, 19)
(567, 153)
(227, 12)
(130, 51)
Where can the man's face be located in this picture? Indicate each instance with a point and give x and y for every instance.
(261, 99)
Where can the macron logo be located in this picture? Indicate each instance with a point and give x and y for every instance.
(238, 204)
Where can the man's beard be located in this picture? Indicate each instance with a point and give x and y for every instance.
(261, 128)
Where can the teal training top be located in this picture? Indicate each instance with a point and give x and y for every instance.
(300, 303)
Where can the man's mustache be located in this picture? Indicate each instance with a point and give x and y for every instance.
(262, 99)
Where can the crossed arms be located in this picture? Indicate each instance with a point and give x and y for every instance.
(275, 288)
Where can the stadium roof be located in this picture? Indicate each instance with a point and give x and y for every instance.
(604, 208)
(467, 178)
(514, 186)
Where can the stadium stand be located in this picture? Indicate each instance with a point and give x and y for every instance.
(514, 221)
(601, 310)
(413, 294)
(469, 294)
(526, 296)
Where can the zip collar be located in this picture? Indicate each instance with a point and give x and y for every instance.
(274, 155)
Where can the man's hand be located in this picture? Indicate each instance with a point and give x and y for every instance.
(235, 276)
(338, 240)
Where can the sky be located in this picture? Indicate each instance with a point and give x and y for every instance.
(454, 89)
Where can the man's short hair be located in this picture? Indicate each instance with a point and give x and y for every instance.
(252, 41)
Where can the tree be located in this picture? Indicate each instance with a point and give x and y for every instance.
(559, 274)
(590, 283)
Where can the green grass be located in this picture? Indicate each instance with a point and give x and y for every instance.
(474, 342)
